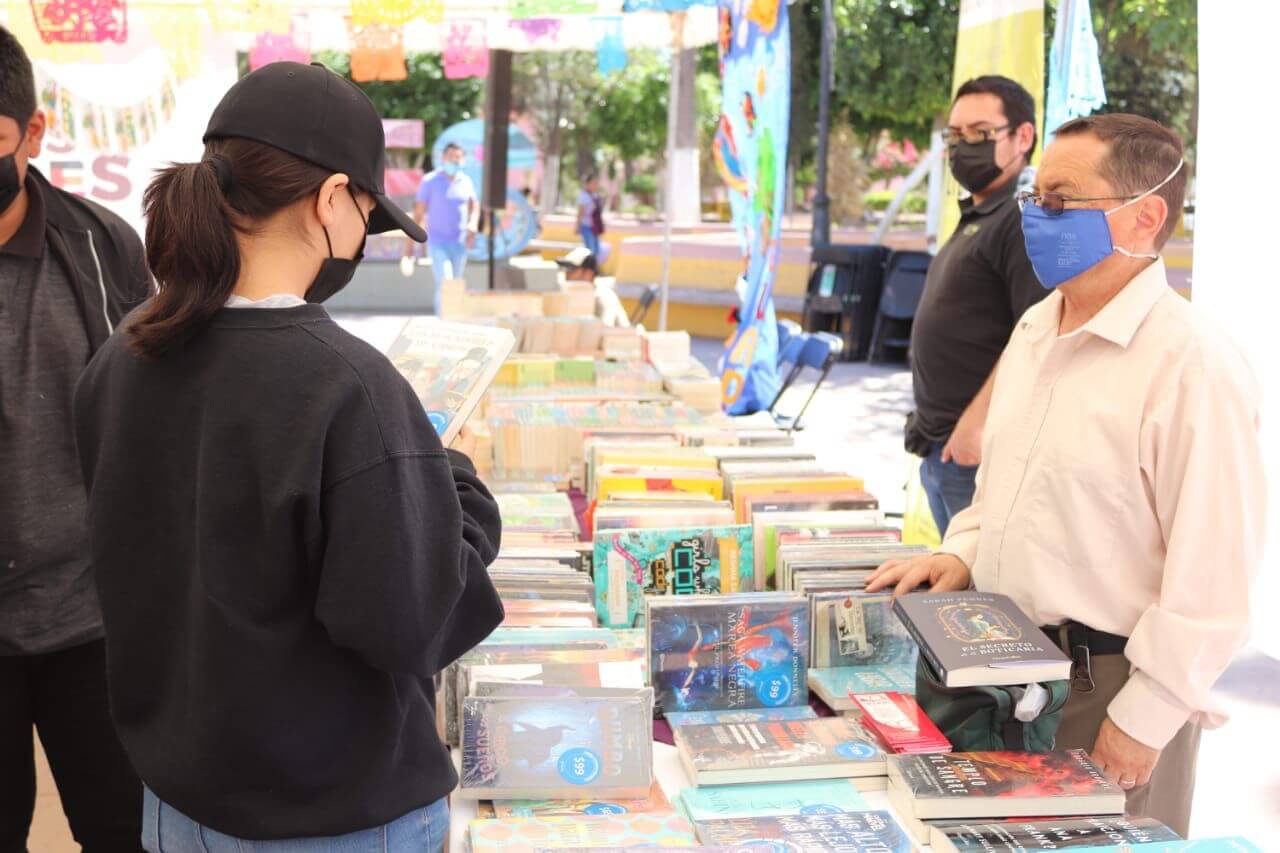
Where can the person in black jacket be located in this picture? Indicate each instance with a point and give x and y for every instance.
(285, 552)
(69, 270)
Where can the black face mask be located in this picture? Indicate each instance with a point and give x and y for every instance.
(973, 165)
(336, 273)
(10, 185)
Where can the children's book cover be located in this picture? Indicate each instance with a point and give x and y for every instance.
(532, 747)
(747, 651)
(632, 564)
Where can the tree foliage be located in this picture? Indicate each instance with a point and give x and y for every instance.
(425, 94)
(1149, 58)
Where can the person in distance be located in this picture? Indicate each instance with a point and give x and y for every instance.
(1120, 500)
(285, 552)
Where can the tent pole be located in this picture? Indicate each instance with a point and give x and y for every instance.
(821, 233)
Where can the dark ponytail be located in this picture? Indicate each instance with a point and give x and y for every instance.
(194, 211)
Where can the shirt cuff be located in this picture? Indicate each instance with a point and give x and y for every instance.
(1147, 712)
(963, 546)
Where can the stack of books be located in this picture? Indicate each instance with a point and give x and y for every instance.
(980, 786)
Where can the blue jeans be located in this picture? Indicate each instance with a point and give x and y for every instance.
(590, 239)
(448, 260)
(167, 830)
(948, 485)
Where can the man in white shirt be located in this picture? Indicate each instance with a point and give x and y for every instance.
(1121, 492)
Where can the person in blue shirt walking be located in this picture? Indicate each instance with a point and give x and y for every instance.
(447, 198)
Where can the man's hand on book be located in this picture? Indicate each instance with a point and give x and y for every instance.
(1125, 761)
(465, 442)
(942, 572)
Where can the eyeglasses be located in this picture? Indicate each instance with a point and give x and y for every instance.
(952, 137)
(1054, 203)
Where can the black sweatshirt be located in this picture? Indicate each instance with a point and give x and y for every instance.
(285, 554)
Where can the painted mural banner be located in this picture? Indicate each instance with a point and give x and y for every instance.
(750, 153)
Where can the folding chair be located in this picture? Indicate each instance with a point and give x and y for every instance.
(820, 351)
(904, 278)
(643, 304)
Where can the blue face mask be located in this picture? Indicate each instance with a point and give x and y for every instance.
(451, 168)
(1063, 246)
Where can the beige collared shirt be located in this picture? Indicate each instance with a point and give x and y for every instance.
(1122, 486)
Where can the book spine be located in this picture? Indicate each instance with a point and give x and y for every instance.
(925, 650)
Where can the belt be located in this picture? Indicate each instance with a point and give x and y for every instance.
(1070, 635)
(1081, 643)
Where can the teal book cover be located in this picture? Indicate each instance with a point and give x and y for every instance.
(858, 629)
(631, 564)
(843, 680)
(723, 802)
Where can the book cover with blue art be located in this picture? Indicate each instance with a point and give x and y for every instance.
(834, 685)
(728, 652)
(597, 745)
(632, 564)
(857, 629)
(841, 832)
(529, 835)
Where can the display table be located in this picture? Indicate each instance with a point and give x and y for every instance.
(666, 767)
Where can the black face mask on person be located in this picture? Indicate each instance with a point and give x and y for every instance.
(973, 164)
(336, 273)
(10, 183)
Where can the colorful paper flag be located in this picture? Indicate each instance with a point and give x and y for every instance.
(611, 51)
(466, 49)
(81, 21)
(377, 53)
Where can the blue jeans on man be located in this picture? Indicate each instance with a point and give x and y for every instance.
(948, 485)
(167, 830)
(448, 261)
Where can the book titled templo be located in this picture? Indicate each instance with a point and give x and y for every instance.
(978, 638)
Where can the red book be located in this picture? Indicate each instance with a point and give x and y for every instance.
(900, 723)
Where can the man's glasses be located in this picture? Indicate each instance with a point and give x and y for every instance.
(1054, 203)
(951, 137)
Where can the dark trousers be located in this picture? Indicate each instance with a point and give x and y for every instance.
(948, 485)
(63, 695)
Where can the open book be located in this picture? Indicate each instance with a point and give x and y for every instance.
(450, 366)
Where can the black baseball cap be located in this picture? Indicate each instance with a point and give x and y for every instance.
(314, 114)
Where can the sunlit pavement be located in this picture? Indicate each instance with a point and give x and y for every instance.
(862, 407)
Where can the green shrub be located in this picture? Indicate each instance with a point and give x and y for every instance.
(643, 185)
(879, 200)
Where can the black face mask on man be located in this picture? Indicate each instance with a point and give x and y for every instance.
(10, 183)
(336, 273)
(973, 164)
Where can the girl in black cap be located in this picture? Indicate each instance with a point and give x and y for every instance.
(284, 551)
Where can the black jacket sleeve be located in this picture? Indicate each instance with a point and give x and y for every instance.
(403, 579)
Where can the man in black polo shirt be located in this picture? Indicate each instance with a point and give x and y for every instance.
(978, 286)
(69, 270)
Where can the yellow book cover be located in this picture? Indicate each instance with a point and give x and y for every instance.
(610, 484)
